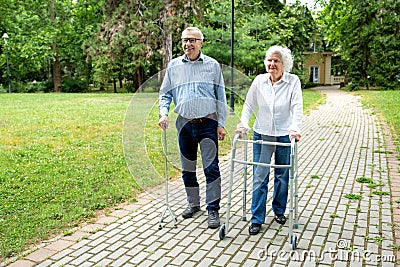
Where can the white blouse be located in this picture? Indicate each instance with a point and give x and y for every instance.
(278, 107)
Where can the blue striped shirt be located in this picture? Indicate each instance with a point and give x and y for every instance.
(197, 88)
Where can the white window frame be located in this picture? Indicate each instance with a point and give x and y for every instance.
(314, 73)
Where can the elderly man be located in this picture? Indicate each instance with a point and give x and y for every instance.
(194, 82)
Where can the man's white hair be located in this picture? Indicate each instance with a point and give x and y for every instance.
(194, 29)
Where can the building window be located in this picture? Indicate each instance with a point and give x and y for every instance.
(314, 74)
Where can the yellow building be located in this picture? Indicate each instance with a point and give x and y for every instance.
(317, 66)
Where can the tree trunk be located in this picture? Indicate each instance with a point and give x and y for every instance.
(166, 36)
(167, 48)
(115, 85)
(139, 73)
(56, 61)
(366, 71)
(56, 70)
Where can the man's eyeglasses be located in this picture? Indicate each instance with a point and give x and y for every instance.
(191, 40)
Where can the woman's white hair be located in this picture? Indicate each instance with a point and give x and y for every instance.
(287, 58)
(194, 29)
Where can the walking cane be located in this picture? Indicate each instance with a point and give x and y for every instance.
(167, 207)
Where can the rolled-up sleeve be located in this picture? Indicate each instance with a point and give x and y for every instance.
(249, 106)
(221, 98)
(296, 107)
(165, 96)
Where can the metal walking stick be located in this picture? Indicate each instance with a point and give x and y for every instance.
(167, 207)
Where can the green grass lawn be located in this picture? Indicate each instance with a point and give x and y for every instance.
(61, 160)
(311, 99)
(65, 156)
(386, 104)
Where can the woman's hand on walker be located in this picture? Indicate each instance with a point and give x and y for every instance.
(241, 131)
(295, 135)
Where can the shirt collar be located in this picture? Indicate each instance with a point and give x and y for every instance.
(186, 59)
(284, 78)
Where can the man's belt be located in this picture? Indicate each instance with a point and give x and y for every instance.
(201, 120)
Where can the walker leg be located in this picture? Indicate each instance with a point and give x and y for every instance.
(244, 183)
(225, 227)
(222, 232)
(294, 242)
(167, 207)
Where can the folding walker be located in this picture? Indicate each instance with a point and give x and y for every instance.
(293, 183)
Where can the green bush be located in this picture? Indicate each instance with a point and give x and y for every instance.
(130, 87)
(34, 87)
(3, 89)
(70, 85)
(17, 87)
(22, 87)
(309, 85)
(353, 87)
(48, 86)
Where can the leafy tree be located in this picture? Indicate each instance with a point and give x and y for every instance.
(258, 25)
(296, 29)
(385, 53)
(124, 40)
(366, 35)
(46, 37)
(28, 45)
(135, 40)
(124, 45)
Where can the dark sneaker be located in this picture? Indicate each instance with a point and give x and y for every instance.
(254, 228)
(280, 218)
(190, 211)
(213, 219)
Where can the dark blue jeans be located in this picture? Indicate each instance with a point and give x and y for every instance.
(190, 137)
(263, 153)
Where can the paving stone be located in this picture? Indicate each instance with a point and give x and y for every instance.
(174, 252)
(45, 263)
(232, 264)
(99, 256)
(117, 253)
(239, 257)
(96, 235)
(59, 245)
(22, 263)
(139, 257)
(192, 247)
(78, 261)
(373, 248)
(318, 240)
(189, 264)
(199, 254)
(63, 261)
(358, 241)
(321, 231)
(163, 262)
(206, 262)
(180, 259)
(222, 260)
(232, 249)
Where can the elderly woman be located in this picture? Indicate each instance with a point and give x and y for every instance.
(276, 99)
